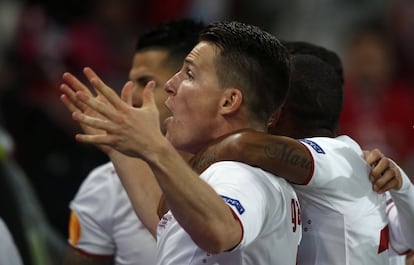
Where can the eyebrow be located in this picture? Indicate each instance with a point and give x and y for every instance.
(143, 80)
(189, 61)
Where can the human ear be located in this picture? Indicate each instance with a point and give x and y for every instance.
(273, 120)
(231, 101)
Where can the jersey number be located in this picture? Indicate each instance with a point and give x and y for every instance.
(294, 205)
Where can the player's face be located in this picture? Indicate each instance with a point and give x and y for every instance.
(151, 65)
(194, 99)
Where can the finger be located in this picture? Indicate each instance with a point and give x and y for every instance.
(372, 179)
(69, 97)
(90, 74)
(74, 83)
(392, 184)
(105, 91)
(98, 140)
(148, 95)
(390, 179)
(379, 182)
(128, 92)
(373, 156)
(102, 108)
(68, 104)
(397, 174)
(380, 168)
(93, 122)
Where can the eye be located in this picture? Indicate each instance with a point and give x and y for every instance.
(189, 74)
(143, 81)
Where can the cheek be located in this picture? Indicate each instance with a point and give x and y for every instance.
(163, 111)
(160, 96)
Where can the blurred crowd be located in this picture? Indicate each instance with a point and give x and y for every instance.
(42, 39)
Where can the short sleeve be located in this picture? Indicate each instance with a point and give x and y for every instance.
(90, 221)
(244, 191)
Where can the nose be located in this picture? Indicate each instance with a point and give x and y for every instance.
(172, 84)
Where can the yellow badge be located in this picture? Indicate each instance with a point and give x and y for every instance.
(74, 229)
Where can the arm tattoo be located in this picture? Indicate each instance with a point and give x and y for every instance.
(287, 154)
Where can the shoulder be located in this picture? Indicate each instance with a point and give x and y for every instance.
(242, 175)
(101, 185)
(330, 146)
(100, 177)
(335, 158)
(230, 169)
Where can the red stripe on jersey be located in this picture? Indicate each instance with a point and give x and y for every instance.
(389, 209)
(99, 256)
(241, 225)
(384, 239)
(308, 178)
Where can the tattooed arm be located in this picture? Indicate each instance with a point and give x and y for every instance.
(283, 156)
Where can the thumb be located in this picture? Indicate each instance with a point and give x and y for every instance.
(128, 92)
(148, 95)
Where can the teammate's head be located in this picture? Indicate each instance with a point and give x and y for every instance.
(253, 61)
(328, 56)
(177, 38)
(315, 101)
(159, 55)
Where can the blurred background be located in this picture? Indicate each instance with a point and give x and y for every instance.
(39, 40)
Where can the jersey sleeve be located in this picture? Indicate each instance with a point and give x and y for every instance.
(90, 221)
(334, 158)
(403, 199)
(397, 243)
(322, 159)
(245, 194)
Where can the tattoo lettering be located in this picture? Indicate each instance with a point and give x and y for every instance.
(285, 153)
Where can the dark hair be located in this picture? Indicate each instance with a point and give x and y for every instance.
(178, 37)
(329, 57)
(316, 94)
(252, 60)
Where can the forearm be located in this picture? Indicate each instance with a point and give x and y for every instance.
(141, 186)
(194, 203)
(404, 201)
(283, 156)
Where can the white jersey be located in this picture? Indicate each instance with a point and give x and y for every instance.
(397, 248)
(400, 209)
(400, 212)
(9, 255)
(103, 222)
(267, 208)
(344, 220)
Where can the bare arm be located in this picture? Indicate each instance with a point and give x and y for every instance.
(283, 156)
(141, 186)
(75, 257)
(195, 205)
(136, 132)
